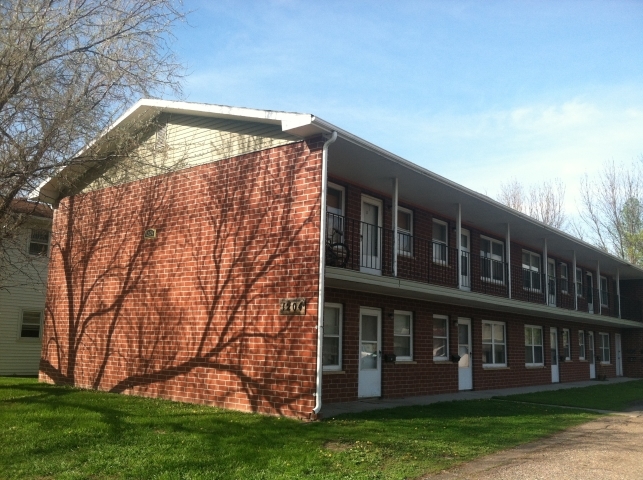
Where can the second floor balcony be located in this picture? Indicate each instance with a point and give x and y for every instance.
(360, 246)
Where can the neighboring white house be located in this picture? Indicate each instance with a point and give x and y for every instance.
(22, 294)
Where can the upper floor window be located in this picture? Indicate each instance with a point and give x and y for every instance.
(39, 242)
(440, 241)
(404, 231)
(492, 259)
(604, 293)
(403, 335)
(564, 278)
(531, 270)
(579, 282)
(30, 325)
(335, 213)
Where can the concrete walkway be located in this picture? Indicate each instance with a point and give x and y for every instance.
(332, 409)
(608, 448)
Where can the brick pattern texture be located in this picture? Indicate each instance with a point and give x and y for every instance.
(194, 314)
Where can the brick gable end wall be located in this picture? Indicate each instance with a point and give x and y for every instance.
(193, 314)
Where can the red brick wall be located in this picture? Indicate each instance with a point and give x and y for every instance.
(426, 377)
(193, 314)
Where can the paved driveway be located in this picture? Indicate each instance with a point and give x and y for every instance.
(608, 448)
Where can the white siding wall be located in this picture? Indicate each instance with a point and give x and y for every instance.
(21, 356)
(190, 141)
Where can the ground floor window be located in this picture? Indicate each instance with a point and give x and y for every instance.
(494, 344)
(604, 347)
(533, 346)
(440, 337)
(567, 348)
(581, 345)
(30, 325)
(332, 347)
(403, 335)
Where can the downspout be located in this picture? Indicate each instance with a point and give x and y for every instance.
(322, 264)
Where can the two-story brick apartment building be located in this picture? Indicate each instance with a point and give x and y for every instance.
(273, 262)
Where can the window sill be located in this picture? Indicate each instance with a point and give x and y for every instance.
(534, 367)
(606, 364)
(582, 360)
(405, 362)
(442, 361)
(333, 372)
(493, 367)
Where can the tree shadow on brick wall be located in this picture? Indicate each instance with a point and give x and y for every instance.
(192, 315)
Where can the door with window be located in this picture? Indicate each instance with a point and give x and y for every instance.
(551, 279)
(553, 346)
(465, 260)
(465, 364)
(371, 235)
(591, 355)
(590, 293)
(619, 357)
(369, 382)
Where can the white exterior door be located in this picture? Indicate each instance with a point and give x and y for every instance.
(465, 365)
(553, 346)
(465, 260)
(619, 356)
(369, 383)
(592, 355)
(551, 278)
(371, 235)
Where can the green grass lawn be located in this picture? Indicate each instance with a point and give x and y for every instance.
(603, 396)
(58, 432)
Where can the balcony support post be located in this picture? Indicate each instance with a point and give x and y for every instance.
(395, 239)
(618, 292)
(575, 281)
(545, 267)
(458, 243)
(508, 257)
(598, 284)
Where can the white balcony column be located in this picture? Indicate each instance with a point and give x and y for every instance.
(575, 280)
(598, 283)
(546, 273)
(508, 259)
(458, 243)
(395, 239)
(618, 291)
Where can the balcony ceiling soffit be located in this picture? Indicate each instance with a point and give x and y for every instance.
(421, 188)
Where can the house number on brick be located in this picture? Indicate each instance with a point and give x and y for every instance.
(292, 306)
(150, 234)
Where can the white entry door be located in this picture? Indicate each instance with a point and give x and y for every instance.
(370, 353)
(465, 365)
(551, 278)
(592, 355)
(371, 235)
(465, 260)
(619, 357)
(553, 346)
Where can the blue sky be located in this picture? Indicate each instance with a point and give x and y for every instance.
(476, 91)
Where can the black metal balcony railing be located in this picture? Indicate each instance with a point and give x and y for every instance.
(369, 248)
